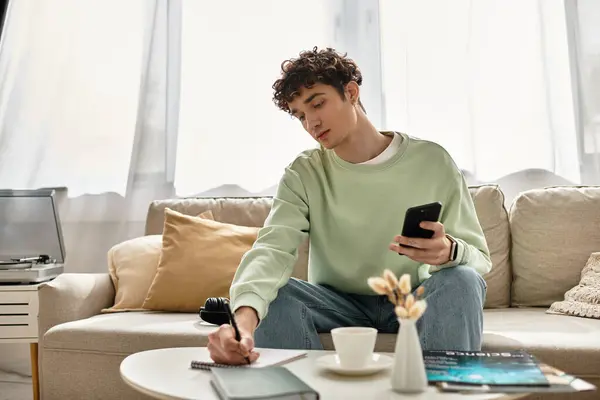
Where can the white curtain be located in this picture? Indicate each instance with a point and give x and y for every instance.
(492, 81)
(230, 131)
(88, 97)
(487, 79)
(70, 75)
(583, 17)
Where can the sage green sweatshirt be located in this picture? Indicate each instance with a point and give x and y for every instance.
(351, 213)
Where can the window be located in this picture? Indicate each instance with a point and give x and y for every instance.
(230, 131)
(488, 80)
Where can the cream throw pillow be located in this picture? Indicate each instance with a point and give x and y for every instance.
(198, 260)
(132, 265)
(583, 300)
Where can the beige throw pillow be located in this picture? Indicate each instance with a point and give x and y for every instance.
(132, 265)
(583, 300)
(553, 232)
(489, 205)
(198, 260)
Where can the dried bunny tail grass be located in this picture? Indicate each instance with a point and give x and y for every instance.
(420, 292)
(379, 285)
(390, 278)
(410, 300)
(404, 284)
(417, 309)
(401, 312)
(392, 298)
(400, 301)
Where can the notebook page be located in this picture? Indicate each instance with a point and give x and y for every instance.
(267, 357)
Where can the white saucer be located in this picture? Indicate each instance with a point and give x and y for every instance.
(378, 363)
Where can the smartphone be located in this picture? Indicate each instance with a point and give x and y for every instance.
(415, 215)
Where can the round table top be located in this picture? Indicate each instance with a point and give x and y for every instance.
(166, 374)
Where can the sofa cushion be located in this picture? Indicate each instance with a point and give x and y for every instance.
(127, 333)
(565, 342)
(132, 266)
(554, 231)
(198, 260)
(568, 343)
(493, 217)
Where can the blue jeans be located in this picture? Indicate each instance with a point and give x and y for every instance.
(453, 319)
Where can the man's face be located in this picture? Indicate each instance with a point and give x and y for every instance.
(324, 114)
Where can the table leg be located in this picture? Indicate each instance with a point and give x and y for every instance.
(35, 378)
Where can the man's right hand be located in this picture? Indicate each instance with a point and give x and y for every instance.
(223, 347)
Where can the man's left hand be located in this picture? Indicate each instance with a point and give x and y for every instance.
(434, 251)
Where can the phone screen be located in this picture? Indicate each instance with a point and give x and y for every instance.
(415, 215)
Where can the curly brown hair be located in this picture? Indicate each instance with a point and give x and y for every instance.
(325, 66)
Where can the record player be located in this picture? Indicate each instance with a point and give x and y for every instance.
(31, 242)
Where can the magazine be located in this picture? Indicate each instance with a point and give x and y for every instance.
(505, 372)
(484, 368)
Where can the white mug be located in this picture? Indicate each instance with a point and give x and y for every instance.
(354, 345)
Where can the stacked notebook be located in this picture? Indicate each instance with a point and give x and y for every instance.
(260, 383)
(263, 379)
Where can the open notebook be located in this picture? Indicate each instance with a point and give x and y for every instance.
(267, 358)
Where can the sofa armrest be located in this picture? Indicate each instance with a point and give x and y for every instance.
(70, 297)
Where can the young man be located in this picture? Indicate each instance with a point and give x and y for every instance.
(351, 195)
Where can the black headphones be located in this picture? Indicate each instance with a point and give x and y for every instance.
(214, 311)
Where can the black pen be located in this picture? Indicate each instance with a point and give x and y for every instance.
(238, 337)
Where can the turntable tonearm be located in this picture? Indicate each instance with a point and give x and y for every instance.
(23, 263)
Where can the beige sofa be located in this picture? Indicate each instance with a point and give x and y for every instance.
(538, 251)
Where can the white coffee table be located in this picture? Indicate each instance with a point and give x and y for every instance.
(166, 374)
